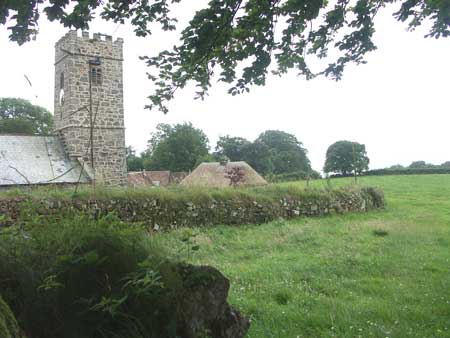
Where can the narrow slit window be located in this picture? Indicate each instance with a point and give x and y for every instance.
(61, 92)
(96, 76)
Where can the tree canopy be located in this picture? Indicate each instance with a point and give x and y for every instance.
(134, 162)
(345, 157)
(419, 165)
(19, 116)
(425, 165)
(287, 153)
(238, 41)
(182, 147)
(258, 156)
(273, 152)
(175, 148)
(231, 147)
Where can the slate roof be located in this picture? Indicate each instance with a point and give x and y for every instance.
(26, 160)
(159, 178)
(139, 179)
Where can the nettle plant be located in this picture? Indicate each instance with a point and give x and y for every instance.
(189, 245)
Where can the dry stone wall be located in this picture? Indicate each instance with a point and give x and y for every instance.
(178, 210)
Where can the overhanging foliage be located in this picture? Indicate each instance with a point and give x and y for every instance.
(238, 40)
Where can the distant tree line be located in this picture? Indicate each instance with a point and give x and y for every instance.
(345, 158)
(421, 165)
(415, 168)
(182, 147)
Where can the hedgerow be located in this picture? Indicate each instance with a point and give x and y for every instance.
(404, 171)
(294, 176)
(407, 171)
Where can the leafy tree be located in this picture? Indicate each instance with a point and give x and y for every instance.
(162, 130)
(346, 157)
(206, 158)
(240, 41)
(396, 167)
(289, 161)
(287, 153)
(134, 163)
(175, 148)
(231, 147)
(446, 165)
(258, 156)
(21, 117)
(16, 126)
(419, 165)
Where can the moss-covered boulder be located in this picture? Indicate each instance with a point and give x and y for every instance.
(8, 323)
(202, 308)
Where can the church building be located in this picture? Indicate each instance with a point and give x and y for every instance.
(89, 134)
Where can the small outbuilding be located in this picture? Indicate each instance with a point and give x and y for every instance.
(215, 174)
(139, 179)
(161, 178)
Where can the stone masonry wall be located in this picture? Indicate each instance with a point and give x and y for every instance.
(72, 114)
(168, 210)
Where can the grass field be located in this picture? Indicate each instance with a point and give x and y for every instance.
(380, 274)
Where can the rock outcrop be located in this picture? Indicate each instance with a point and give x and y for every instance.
(202, 308)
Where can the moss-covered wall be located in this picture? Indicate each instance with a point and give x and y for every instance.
(177, 209)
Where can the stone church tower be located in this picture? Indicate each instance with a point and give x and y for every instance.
(89, 104)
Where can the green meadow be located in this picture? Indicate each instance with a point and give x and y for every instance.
(379, 274)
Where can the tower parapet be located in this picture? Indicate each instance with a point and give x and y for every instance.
(88, 103)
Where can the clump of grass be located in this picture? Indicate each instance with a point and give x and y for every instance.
(8, 324)
(282, 297)
(380, 232)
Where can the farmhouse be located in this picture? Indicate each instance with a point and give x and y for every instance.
(89, 135)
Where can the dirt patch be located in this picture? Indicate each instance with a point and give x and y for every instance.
(203, 239)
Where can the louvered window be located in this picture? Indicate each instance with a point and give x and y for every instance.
(96, 76)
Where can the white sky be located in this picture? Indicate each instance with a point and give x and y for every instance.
(397, 104)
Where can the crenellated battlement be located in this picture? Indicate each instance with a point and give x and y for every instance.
(74, 35)
(100, 45)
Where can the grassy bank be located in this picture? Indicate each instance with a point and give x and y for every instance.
(85, 278)
(378, 274)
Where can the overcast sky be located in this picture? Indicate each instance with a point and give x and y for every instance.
(397, 104)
